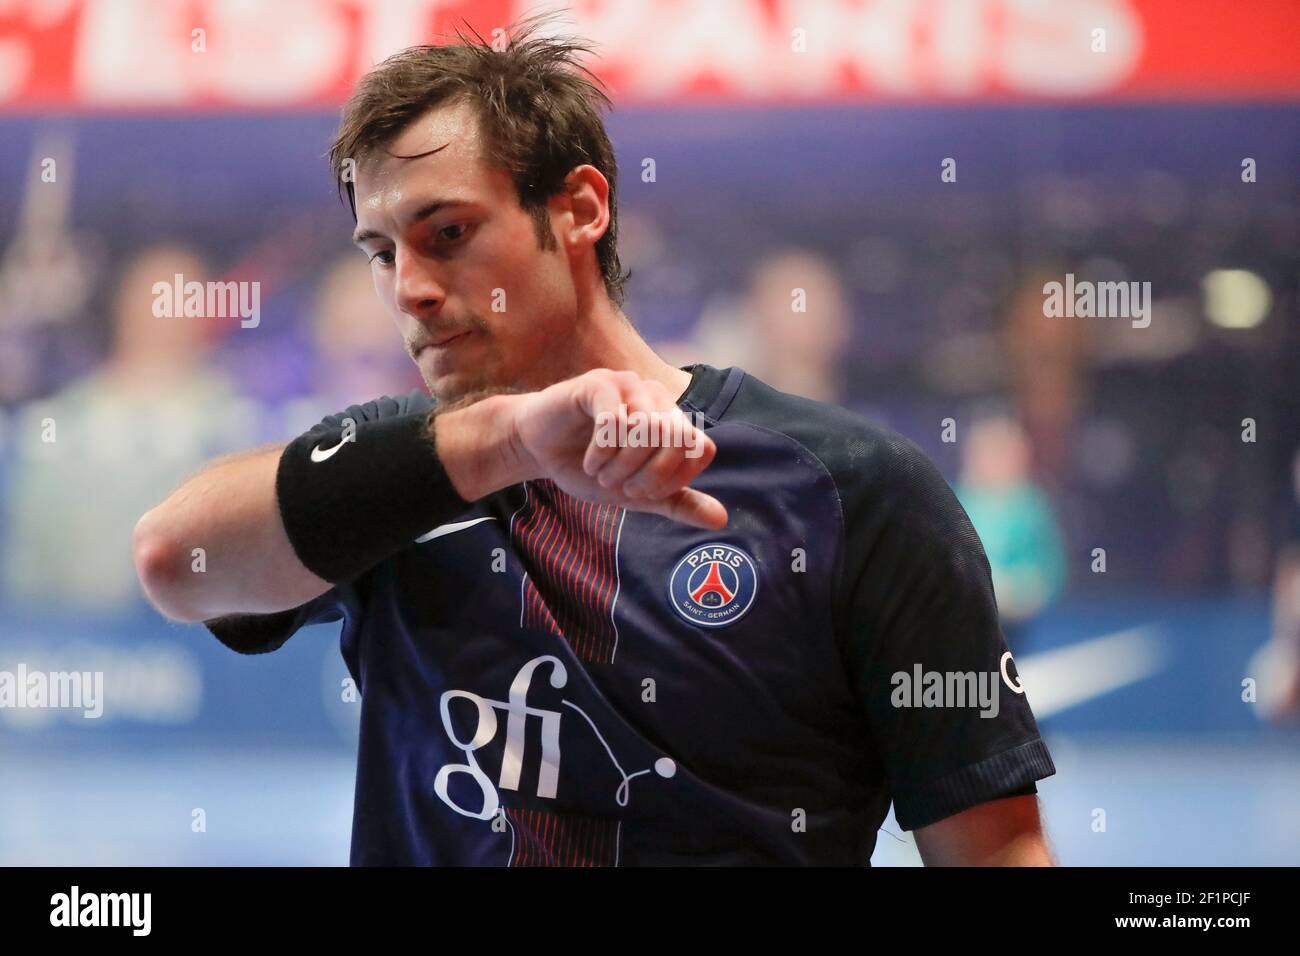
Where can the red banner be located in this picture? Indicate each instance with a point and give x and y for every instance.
(276, 54)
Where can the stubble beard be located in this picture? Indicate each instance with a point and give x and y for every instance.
(461, 400)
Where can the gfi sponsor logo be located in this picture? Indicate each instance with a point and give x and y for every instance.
(518, 712)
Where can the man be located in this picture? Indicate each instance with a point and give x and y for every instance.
(573, 647)
(69, 506)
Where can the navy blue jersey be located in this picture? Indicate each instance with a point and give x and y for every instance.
(551, 681)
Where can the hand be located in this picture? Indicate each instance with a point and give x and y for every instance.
(569, 433)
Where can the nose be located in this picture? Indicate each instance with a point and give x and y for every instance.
(419, 293)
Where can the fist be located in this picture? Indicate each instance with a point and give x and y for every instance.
(617, 438)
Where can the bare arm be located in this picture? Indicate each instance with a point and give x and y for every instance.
(998, 833)
(230, 510)
(248, 565)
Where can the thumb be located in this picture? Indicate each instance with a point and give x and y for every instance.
(689, 506)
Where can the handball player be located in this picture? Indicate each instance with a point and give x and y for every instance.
(601, 610)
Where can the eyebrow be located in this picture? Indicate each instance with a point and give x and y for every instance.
(424, 212)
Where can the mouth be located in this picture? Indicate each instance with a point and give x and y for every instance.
(442, 343)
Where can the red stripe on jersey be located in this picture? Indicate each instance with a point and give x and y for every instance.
(546, 838)
(568, 547)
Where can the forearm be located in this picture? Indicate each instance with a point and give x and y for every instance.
(257, 559)
(277, 527)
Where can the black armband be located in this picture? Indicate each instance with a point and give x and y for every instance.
(352, 495)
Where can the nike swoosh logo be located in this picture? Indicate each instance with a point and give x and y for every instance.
(445, 529)
(1068, 676)
(318, 455)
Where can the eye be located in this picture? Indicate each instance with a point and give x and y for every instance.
(458, 232)
(383, 262)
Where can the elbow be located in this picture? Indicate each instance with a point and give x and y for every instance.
(164, 570)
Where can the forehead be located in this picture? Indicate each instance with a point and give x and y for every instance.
(449, 146)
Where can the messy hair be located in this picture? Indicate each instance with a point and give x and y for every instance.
(539, 111)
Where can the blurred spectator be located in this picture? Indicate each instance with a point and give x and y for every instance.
(1276, 665)
(790, 329)
(93, 458)
(1014, 521)
(48, 270)
(1048, 362)
(359, 353)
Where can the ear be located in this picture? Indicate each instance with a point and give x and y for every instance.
(586, 193)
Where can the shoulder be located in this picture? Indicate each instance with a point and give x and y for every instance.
(866, 460)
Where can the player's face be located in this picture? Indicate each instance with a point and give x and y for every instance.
(456, 261)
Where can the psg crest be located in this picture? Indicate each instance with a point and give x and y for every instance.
(713, 585)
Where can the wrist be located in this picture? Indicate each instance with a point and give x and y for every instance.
(348, 500)
(479, 447)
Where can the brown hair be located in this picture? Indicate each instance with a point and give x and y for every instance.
(539, 110)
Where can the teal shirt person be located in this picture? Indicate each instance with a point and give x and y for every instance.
(1023, 543)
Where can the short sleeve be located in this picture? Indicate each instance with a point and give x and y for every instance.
(948, 715)
(263, 633)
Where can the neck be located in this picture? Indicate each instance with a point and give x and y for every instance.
(606, 339)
